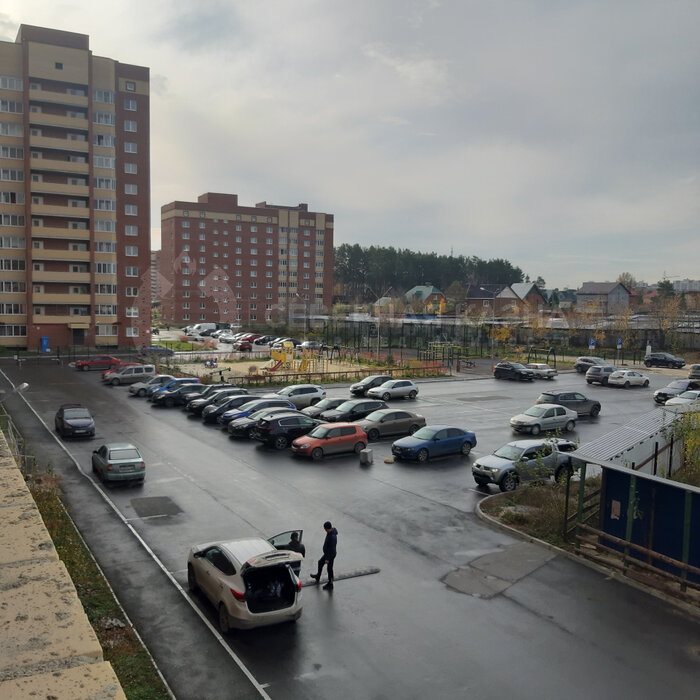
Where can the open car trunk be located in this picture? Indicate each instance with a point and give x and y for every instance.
(269, 588)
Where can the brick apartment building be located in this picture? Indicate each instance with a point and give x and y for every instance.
(74, 194)
(250, 265)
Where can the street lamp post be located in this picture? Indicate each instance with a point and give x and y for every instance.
(493, 316)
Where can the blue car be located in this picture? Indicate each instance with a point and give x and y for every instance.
(247, 408)
(434, 441)
(172, 384)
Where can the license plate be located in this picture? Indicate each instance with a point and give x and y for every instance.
(127, 468)
(77, 432)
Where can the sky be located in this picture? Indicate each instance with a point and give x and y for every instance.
(563, 136)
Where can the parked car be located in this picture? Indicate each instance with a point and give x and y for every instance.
(599, 374)
(251, 407)
(513, 370)
(389, 421)
(364, 385)
(263, 340)
(684, 398)
(141, 388)
(196, 406)
(249, 582)
(176, 396)
(434, 441)
(524, 460)
(211, 413)
(544, 416)
(584, 363)
(330, 439)
(120, 367)
(323, 405)
(301, 395)
(542, 370)
(129, 375)
(74, 420)
(243, 345)
(694, 372)
(118, 461)
(311, 345)
(573, 400)
(159, 350)
(394, 389)
(351, 410)
(676, 387)
(171, 385)
(664, 359)
(245, 426)
(201, 391)
(627, 378)
(280, 430)
(97, 362)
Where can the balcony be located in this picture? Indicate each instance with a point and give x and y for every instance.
(60, 188)
(42, 119)
(67, 277)
(71, 255)
(58, 144)
(56, 210)
(71, 299)
(60, 98)
(59, 166)
(73, 234)
(43, 319)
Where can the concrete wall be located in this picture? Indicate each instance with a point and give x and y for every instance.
(47, 646)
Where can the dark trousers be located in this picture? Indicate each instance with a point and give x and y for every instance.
(321, 563)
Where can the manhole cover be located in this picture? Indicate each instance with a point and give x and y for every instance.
(155, 506)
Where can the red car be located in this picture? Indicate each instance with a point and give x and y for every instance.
(329, 439)
(98, 362)
(243, 345)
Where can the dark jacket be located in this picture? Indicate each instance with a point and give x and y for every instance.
(330, 544)
(296, 547)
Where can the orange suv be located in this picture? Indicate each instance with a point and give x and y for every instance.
(330, 439)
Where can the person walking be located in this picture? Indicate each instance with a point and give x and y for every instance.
(330, 546)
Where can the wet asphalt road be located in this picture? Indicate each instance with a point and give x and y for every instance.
(562, 630)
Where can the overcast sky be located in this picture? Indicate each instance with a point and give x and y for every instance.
(561, 135)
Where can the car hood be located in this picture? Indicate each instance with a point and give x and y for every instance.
(410, 442)
(494, 462)
(522, 418)
(333, 414)
(365, 424)
(233, 415)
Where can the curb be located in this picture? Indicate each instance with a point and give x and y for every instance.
(609, 573)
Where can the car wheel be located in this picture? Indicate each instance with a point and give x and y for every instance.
(141, 392)
(85, 368)
(94, 469)
(497, 375)
(317, 453)
(563, 473)
(169, 403)
(480, 481)
(535, 430)
(359, 446)
(422, 455)
(627, 385)
(508, 483)
(281, 442)
(224, 625)
(595, 411)
(412, 395)
(373, 435)
(191, 579)
(386, 396)
(569, 426)
(646, 383)
(590, 381)
(466, 448)
(115, 382)
(314, 402)
(412, 429)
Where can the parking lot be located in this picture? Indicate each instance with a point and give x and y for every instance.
(401, 632)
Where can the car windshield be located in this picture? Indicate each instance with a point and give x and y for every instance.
(509, 452)
(286, 391)
(346, 406)
(375, 416)
(124, 453)
(250, 406)
(689, 395)
(425, 433)
(320, 432)
(326, 403)
(76, 413)
(535, 411)
(219, 400)
(678, 384)
(259, 414)
(546, 398)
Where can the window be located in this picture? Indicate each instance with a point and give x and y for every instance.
(129, 104)
(131, 189)
(8, 82)
(105, 247)
(12, 220)
(106, 268)
(105, 204)
(132, 251)
(130, 125)
(131, 230)
(131, 168)
(105, 183)
(103, 96)
(108, 289)
(105, 140)
(130, 86)
(104, 118)
(131, 209)
(132, 312)
(11, 286)
(12, 331)
(104, 329)
(14, 152)
(11, 175)
(11, 129)
(254, 229)
(106, 225)
(132, 332)
(185, 235)
(11, 106)
(132, 271)
(130, 147)
(104, 162)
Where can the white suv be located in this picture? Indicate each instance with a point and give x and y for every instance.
(301, 395)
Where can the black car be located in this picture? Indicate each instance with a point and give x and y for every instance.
(278, 430)
(664, 359)
(676, 387)
(573, 400)
(323, 405)
(157, 350)
(198, 405)
(177, 396)
(583, 364)
(211, 413)
(245, 426)
(361, 387)
(513, 370)
(353, 409)
(74, 420)
(599, 374)
(199, 392)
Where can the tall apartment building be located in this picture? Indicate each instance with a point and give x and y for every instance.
(224, 262)
(74, 194)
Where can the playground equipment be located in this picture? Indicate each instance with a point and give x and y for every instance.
(309, 361)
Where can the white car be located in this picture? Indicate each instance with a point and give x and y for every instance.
(301, 395)
(394, 389)
(684, 398)
(249, 581)
(544, 416)
(627, 378)
(542, 370)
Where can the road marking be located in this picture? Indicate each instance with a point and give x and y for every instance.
(345, 575)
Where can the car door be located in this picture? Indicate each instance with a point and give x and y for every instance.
(439, 444)
(303, 425)
(549, 419)
(99, 459)
(578, 403)
(215, 565)
(334, 442)
(535, 463)
(455, 437)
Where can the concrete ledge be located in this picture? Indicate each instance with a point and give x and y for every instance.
(13, 490)
(23, 535)
(79, 683)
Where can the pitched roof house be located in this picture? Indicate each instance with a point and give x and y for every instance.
(602, 297)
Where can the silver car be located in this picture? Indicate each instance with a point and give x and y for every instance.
(394, 389)
(141, 388)
(389, 421)
(301, 395)
(544, 416)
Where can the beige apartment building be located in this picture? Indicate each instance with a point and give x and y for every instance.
(249, 265)
(74, 194)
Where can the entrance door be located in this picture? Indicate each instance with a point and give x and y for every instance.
(78, 336)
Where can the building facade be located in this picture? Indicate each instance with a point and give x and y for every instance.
(254, 265)
(602, 297)
(74, 194)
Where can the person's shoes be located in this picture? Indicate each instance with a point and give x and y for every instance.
(315, 577)
(328, 587)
